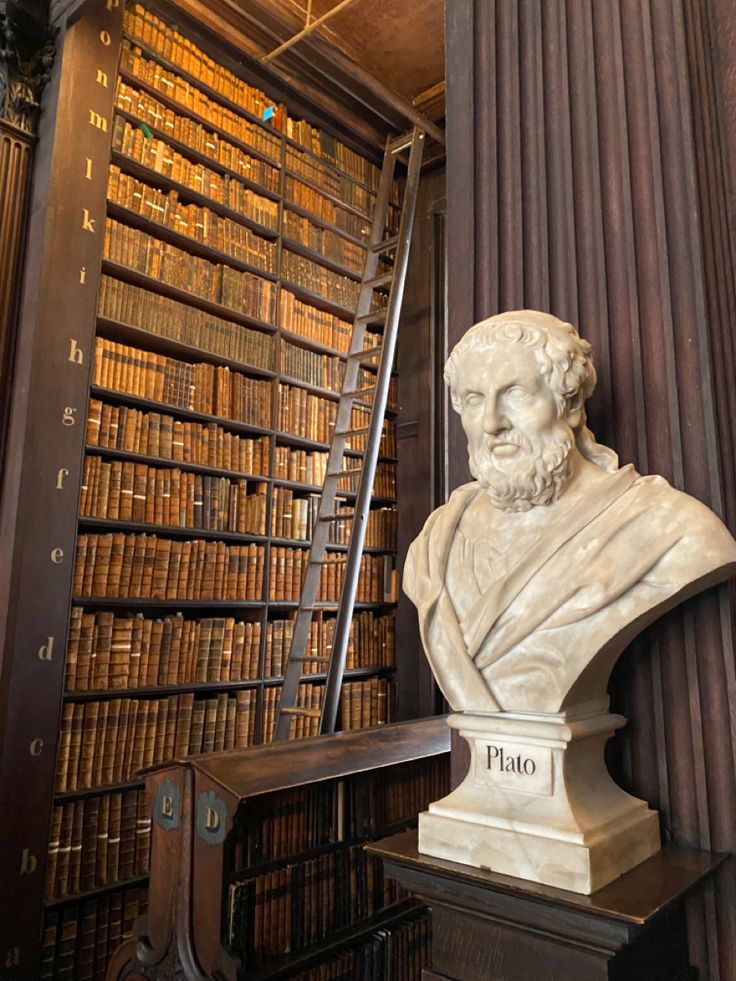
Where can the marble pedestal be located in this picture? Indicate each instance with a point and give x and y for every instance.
(538, 803)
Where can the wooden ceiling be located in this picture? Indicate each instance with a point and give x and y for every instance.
(366, 70)
(398, 41)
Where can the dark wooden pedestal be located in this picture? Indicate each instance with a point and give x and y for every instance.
(496, 928)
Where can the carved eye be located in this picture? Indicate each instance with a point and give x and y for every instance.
(473, 400)
(518, 394)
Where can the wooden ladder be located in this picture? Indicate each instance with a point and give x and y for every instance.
(374, 398)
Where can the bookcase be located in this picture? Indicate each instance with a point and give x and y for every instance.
(258, 866)
(224, 254)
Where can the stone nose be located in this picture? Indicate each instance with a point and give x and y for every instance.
(494, 421)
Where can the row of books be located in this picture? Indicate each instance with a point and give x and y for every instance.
(319, 279)
(107, 651)
(79, 940)
(371, 702)
(124, 491)
(149, 567)
(314, 816)
(309, 199)
(192, 221)
(134, 143)
(200, 387)
(310, 466)
(322, 240)
(324, 175)
(107, 742)
(97, 842)
(190, 97)
(241, 291)
(287, 566)
(315, 325)
(150, 30)
(163, 317)
(401, 950)
(295, 517)
(312, 417)
(129, 430)
(322, 370)
(144, 107)
(370, 644)
(291, 909)
(325, 145)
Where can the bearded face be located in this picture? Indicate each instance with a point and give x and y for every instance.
(518, 444)
(535, 474)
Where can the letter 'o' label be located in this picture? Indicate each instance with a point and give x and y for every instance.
(514, 766)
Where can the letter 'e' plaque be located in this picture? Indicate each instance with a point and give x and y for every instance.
(166, 810)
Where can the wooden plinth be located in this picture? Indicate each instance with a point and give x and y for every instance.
(496, 928)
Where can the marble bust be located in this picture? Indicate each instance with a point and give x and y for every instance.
(531, 579)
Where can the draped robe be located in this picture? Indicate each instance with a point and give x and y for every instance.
(615, 554)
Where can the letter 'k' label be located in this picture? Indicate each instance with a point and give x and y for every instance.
(514, 766)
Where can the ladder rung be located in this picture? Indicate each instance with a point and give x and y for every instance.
(316, 607)
(301, 659)
(327, 561)
(374, 317)
(346, 473)
(400, 143)
(386, 245)
(360, 392)
(337, 517)
(368, 352)
(353, 432)
(383, 280)
(296, 710)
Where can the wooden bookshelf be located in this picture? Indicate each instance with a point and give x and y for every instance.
(251, 880)
(217, 313)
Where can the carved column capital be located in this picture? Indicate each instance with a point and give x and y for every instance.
(26, 58)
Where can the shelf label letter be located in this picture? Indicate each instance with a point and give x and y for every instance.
(76, 354)
(88, 224)
(60, 478)
(95, 119)
(46, 651)
(68, 418)
(83, 275)
(36, 747)
(88, 169)
(28, 863)
(105, 38)
(101, 77)
(12, 958)
(57, 554)
(112, 4)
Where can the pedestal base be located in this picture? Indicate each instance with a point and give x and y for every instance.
(538, 804)
(489, 927)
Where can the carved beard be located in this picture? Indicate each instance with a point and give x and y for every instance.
(537, 474)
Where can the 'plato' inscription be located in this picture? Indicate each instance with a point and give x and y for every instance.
(512, 766)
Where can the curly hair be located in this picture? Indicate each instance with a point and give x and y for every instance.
(565, 361)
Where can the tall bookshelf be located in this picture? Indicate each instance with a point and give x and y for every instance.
(233, 248)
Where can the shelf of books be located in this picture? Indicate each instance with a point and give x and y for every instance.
(233, 250)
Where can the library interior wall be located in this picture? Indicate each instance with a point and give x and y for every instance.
(600, 126)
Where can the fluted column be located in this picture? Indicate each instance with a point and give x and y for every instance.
(588, 175)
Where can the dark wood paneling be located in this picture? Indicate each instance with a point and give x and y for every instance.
(602, 193)
(420, 363)
(44, 456)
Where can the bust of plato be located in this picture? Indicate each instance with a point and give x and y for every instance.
(531, 579)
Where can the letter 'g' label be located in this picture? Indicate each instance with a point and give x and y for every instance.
(514, 766)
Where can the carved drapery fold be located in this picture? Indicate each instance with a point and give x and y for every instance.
(587, 176)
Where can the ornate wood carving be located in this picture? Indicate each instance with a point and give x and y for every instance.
(26, 59)
(587, 175)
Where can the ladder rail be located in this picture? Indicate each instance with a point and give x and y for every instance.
(341, 636)
(287, 708)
